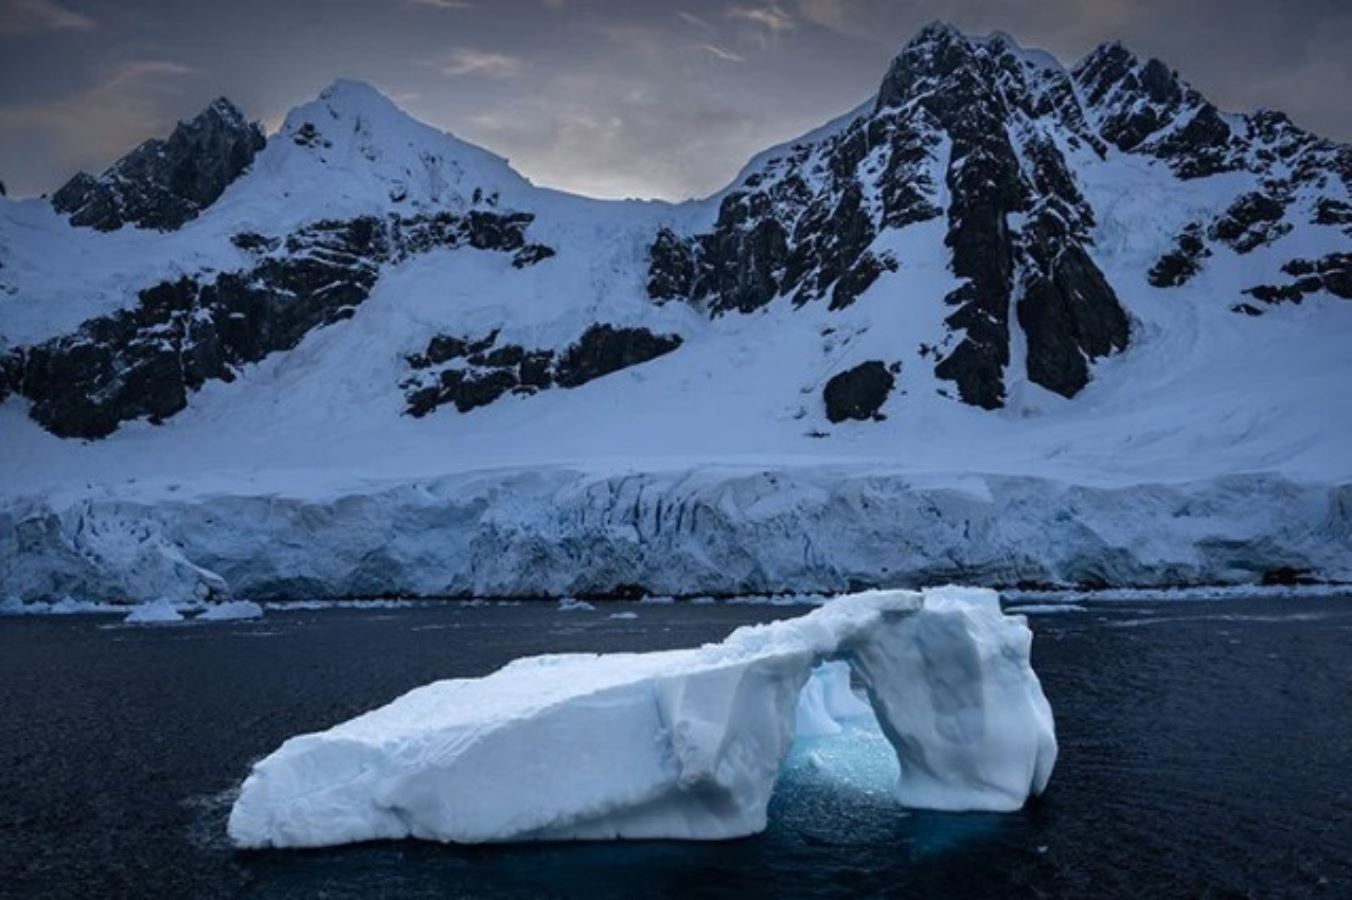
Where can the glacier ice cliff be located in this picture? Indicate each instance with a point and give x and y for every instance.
(683, 744)
(559, 531)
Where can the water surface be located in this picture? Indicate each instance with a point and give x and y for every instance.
(1204, 750)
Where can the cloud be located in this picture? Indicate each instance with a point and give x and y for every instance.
(442, 4)
(690, 18)
(640, 41)
(91, 127)
(842, 16)
(480, 63)
(720, 53)
(33, 16)
(769, 16)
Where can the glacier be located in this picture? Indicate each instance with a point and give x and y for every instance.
(720, 529)
(682, 744)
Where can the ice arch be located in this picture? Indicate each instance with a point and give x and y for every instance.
(677, 744)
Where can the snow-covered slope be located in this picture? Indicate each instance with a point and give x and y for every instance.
(1036, 292)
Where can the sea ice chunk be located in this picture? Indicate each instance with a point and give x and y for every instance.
(153, 613)
(230, 611)
(673, 744)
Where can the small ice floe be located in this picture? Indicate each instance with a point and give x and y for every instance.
(624, 615)
(231, 611)
(156, 612)
(1042, 609)
(572, 604)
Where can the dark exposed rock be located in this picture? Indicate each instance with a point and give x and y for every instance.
(983, 181)
(307, 135)
(165, 183)
(1200, 148)
(470, 390)
(477, 371)
(803, 223)
(144, 361)
(741, 267)
(858, 393)
(671, 268)
(531, 254)
(1070, 312)
(252, 242)
(1145, 108)
(1134, 100)
(1332, 212)
(1071, 317)
(603, 349)
(827, 244)
(1250, 222)
(1179, 265)
(1332, 273)
(860, 277)
(508, 355)
(3, 191)
(1269, 293)
(778, 235)
(536, 369)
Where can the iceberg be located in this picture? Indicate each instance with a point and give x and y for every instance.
(230, 611)
(156, 612)
(682, 744)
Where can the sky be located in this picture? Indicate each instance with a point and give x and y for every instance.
(611, 98)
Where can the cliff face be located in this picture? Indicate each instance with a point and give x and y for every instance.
(164, 183)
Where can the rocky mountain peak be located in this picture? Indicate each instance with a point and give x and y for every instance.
(953, 221)
(812, 223)
(227, 112)
(164, 183)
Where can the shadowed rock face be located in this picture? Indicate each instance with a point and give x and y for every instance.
(469, 373)
(1068, 310)
(1184, 261)
(1332, 273)
(1251, 221)
(165, 183)
(860, 392)
(145, 361)
(804, 224)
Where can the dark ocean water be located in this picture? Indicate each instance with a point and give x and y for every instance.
(1206, 749)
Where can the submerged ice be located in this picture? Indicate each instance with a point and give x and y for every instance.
(677, 744)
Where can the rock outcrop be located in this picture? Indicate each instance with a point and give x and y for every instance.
(473, 372)
(144, 361)
(804, 224)
(859, 393)
(164, 183)
(1332, 273)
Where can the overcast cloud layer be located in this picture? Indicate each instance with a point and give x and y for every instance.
(604, 97)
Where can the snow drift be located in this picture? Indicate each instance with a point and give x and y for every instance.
(680, 744)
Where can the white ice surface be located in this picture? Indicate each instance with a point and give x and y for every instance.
(230, 611)
(680, 744)
(154, 612)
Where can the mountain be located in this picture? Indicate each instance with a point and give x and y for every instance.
(162, 184)
(1007, 321)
